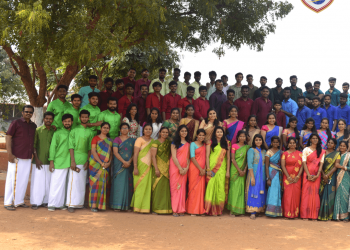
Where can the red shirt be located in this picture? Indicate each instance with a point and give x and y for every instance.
(183, 103)
(123, 105)
(170, 102)
(102, 100)
(225, 109)
(244, 108)
(118, 95)
(141, 108)
(281, 119)
(140, 82)
(261, 108)
(201, 108)
(126, 80)
(153, 101)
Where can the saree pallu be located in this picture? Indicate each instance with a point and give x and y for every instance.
(291, 191)
(274, 193)
(276, 131)
(236, 202)
(341, 203)
(310, 198)
(209, 131)
(339, 139)
(192, 126)
(288, 135)
(215, 195)
(141, 200)
(252, 134)
(99, 177)
(306, 137)
(324, 138)
(177, 181)
(196, 184)
(122, 179)
(172, 126)
(327, 190)
(161, 203)
(232, 130)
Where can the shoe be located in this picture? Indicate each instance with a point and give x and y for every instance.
(71, 210)
(34, 207)
(94, 210)
(51, 209)
(23, 205)
(44, 205)
(10, 208)
(63, 208)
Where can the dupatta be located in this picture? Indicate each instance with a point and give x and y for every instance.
(313, 161)
(163, 160)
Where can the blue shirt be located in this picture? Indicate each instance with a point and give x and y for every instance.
(332, 114)
(291, 107)
(343, 113)
(348, 100)
(84, 92)
(302, 115)
(335, 96)
(318, 114)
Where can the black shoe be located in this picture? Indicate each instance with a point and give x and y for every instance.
(35, 207)
(23, 205)
(10, 208)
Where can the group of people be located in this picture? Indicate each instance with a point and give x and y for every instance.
(169, 152)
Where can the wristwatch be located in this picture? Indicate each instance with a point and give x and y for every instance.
(268, 178)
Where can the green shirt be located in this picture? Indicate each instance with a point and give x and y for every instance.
(58, 107)
(113, 120)
(94, 112)
(80, 140)
(42, 141)
(196, 86)
(295, 93)
(182, 89)
(75, 113)
(59, 151)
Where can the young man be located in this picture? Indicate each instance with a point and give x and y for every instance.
(182, 87)
(201, 104)
(335, 93)
(295, 91)
(332, 112)
(346, 91)
(237, 86)
(343, 110)
(224, 80)
(170, 101)
(112, 117)
(196, 84)
(186, 101)
(59, 105)
(94, 111)
(140, 101)
(303, 113)
(59, 164)
(161, 79)
(80, 151)
(176, 75)
(19, 145)
(309, 95)
(155, 100)
(142, 81)
(84, 91)
(280, 116)
(289, 107)
(251, 86)
(74, 109)
(262, 106)
(277, 92)
(317, 91)
(225, 108)
(126, 100)
(218, 98)
(244, 104)
(317, 112)
(41, 176)
(119, 93)
(104, 95)
(130, 78)
(211, 85)
(258, 92)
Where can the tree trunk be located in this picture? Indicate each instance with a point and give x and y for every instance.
(37, 117)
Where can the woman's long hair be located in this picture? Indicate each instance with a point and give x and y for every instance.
(267, 118)
(296, 131)
(310, 119)
(262, 145)
(177, 137)
(216, 121)
(319, 143)
(214, 141)
(187, 107)
(104, 123)
(275, 138)
(247, 124)
(128, 115)
(239, 133)
(346, 131)
(159, 118)
(328, 131)
(292, 139)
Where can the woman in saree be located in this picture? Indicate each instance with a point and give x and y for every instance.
(191, 123)
(329, 181)
(343, 133)
(173, 123)
(255, 193)
(290, 131)
(141, 200)
(251, 129)
(308, 129)
(291, 161)
(100, 160)
(313, 159)
(209, 124)
(160, 151)
(270, 129)
(218, 169)
(155, 119)
(122, 186)
(196, 176)
(325, 133)
(341, 203)
(179, 165)
(132, 118)
(232, 125)
(238, 171)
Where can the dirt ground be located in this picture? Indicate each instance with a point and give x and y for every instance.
(40, 229)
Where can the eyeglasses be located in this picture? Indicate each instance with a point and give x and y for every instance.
(28, 112)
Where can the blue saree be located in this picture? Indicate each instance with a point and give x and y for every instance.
(232, 130)
(276, 131)
(305, 135)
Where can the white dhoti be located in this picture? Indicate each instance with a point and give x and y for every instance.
(76, 187)
(16, 182)
(58, 187)
(40, 185)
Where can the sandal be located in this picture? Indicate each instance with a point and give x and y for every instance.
(175, 215)
(252, 217)
(23, 205)
(10, 208)
(94, 210)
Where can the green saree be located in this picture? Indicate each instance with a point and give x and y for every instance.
(172, 126)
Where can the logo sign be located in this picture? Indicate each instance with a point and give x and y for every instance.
(317, 5)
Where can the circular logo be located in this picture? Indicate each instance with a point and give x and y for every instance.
(318, 1)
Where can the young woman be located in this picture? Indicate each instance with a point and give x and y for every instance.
(132, 118)
(329, 181)
(218, 167)
(238, 170)
(232, 125)
(160, 151)
(308, 129)
(141, 200)
(173, 123)
(290, 131)
(196, 176)
(256, 181)
(292, 169)
(209, 124)
(100, 160)
(274, 178)
(179, 165)
(190, 122)
(122, 168)
(313, 159)
(155, 119)
(270, 129)
(325, 133)
(343, 134)
(252, 129)
(341, 203)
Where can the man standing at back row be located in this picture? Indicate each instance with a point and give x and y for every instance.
(295, 91)
(161, 79)
(237, 86)
(84, 91)
(262, 106)
(59, 106)
(335, 93)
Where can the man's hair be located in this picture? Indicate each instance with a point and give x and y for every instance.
(93, 77)
(112, 98)
(217, 80)
(28, 106)
(203, 88)
(92, 94)
(345, 84)
(308, 85)
(317, 82)
(327, 95)
(293, 76)
(129, 85)
(244, 87)
(265, 87)
(67, 116)
(143, 85)
(84, 112)
(155, 84)
(132, 69)
(332, 79)
(62, 87)
(287, 89)
(187, 73)
(162, 70)
(301, 97)
(177, 69)
(212, 73)
(277, 102)
(224, 76)
(263, 77)
(250, 75)
(172, 83)
(197, 73)
(108, 79)
(343, 95)
(48, 113)
(119, 81)
(316, 98)
(279, 78)
(143, 70)
(75, 96)
(190, 88)
(230, 91)
(239, 73)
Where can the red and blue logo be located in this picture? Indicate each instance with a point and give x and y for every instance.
(317, 5)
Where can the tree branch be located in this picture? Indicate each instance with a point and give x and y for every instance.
(33, 73)
(54, 71)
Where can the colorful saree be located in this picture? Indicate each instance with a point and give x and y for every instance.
(252, 134)
(192, 125)
(177, 181)
(288, 135)
(274, 193)
(236, 203)
(161, 203)
(215, 195)
(276, 131)
(305, 135)
(327, 190)
(209, 129)
(291, 191)
(324, 138)
(172, 126)
(122, 187)
(99, 177)
(341, 203)
(141, 200)
(232, 130)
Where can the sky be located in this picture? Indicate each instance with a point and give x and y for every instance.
(313, 46)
